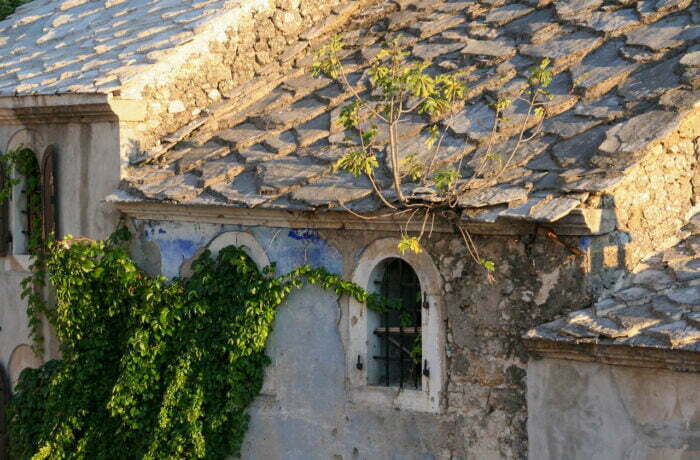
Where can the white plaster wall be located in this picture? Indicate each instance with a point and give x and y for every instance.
(88, 162)
(310, 416)
(591, 411)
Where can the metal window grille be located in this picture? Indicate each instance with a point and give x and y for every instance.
(399, 334)
(30, 214)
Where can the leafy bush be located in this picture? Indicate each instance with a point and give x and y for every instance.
(7, 7)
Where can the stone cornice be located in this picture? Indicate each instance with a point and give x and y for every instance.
(581, 222)
(68, 108)
(619, 355)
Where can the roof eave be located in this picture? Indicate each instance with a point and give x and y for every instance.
(69, 108)
(616, 354)
(580, 222)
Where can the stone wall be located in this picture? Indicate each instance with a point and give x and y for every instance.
(654, 200)
(598, 411)
(535, 279)
(265, 44)
(307, 413)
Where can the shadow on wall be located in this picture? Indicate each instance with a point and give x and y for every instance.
(608, 255)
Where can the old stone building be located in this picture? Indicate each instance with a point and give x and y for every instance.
(617, 379)
(200, 123)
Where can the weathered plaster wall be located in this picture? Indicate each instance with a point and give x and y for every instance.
(580, 410)
(87, 171)
(306, 412)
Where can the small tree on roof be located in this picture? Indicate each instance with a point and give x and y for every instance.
(401, 87)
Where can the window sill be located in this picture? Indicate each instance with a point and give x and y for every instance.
(18, 263)
(395, 398)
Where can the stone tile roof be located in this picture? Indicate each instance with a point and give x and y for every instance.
(98, 46)
(626, 73)
(658, 305)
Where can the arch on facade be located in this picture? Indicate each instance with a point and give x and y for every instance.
(246, 240)
(429, 397)
(15, 217)
(256, 252)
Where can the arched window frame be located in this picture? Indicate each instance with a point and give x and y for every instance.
(429, 397)
(14, 221)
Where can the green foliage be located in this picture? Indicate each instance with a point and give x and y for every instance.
(350, 115)
(489, 265)
(401, 87)
(445, 179)
(417, 349)
(433, 136)
(27, 405)
(410, 243)
(7, 7)
(357, 163)
(328, 62)
(501, 104)
(540, 76)
(25, 165)
(151, 369)
(412, 167)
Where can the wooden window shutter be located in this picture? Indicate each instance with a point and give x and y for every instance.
(4, 217)
(48, 193)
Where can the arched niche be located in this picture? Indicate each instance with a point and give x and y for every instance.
(251, 247)
(246, 240)
(21, 358)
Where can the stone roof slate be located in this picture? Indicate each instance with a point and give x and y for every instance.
(101, 46)
(618, 66)
(657, 306)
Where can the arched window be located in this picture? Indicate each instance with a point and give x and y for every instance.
(396, 357)
(395, 342)
(30, 213)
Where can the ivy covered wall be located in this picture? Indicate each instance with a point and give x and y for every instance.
(305, 404)
(168, 369)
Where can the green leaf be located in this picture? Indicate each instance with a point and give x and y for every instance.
(411, 167)
(164, 316)
(488, 265)
(409, 243)
(445, 179)
(357, 163)
(434, 134)
(502, 104)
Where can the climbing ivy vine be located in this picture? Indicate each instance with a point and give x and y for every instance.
(24, 163)
(153, 369)
(7, 7)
